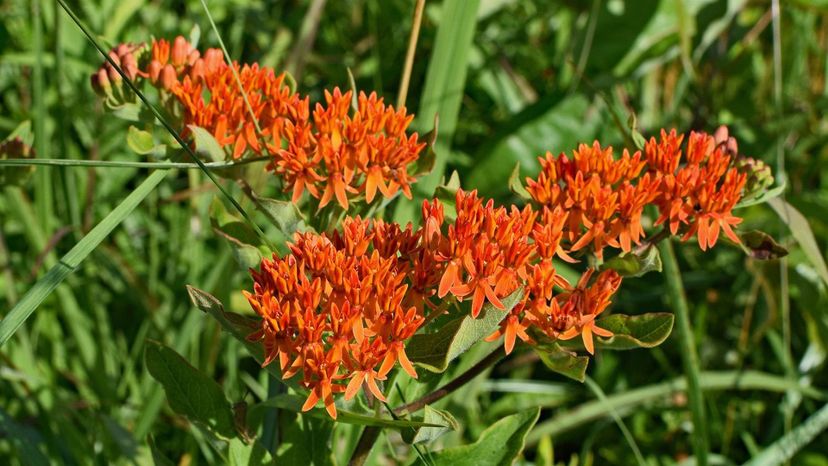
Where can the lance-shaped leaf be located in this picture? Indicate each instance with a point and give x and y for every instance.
(425, 163)
(284, 214)
(434, 351)
(238, 326)
(294, 403)
(761, 246)
(630, 332)
(189, 391)
(801, 231)
(242, 238)
(500, 444)
(562, 361)
(427, 434)
(635, 264)
(206, 145)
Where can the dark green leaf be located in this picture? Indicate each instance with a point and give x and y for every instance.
(498, 445)
(427, 434)
(158, 458)
(190, 392)
(434, 351)
(635, 264)
(760, 245)
(629, 332)
(563, 361)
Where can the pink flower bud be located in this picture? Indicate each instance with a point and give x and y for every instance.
(197, 71)
(100, 83)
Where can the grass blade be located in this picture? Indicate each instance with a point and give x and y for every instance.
(786, 447)
(69, 262)
(445, 81)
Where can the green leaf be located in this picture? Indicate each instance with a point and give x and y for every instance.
(498, 445)
(640, 331)
(635, 264)
(563, 361)
(762, 197)
(129, 111)
(294, 403)
(238, 326)
(139, 141)
(425, 163)
(801, 231)
(516, 186)
(241, 237)
(158, 458)
(761, 246)
(434, 351)
(206, 145)
(241, 454)
(284, 214)
(427, 434)
(190, 392)
(72, 259)
(305, 439)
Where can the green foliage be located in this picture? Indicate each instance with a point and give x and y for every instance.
(499, 444)
(434, 351)
(190, 393)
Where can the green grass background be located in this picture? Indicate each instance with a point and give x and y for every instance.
(535, 76)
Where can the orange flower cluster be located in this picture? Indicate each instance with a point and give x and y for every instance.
(340, 307)
(602, 198)
(335, 153)
(343, 154)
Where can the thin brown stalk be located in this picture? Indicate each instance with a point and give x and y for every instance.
(409, 55)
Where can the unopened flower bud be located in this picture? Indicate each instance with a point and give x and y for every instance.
(168, 77)
(180, 51)
(760, 176)
(154, 70)
(100, 83)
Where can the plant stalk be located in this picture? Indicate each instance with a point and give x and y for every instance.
(690, 360)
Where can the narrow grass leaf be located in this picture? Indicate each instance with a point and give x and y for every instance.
(782, 450)
(801, 231)
(69, 262)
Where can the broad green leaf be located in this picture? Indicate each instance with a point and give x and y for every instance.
(760, 245)
(72, 259)
(427, 434)
(129, 111)
(241, 237)
(284, 215)
(630, 332)
(305, 439)
(635, 265)
(206, 145)
(425, 163)
(190, 392)
(253, 454)
(238, 326)
(563, 361)
(434, 351)
(139, 141)
(498, 445)
(801, 231)
(294, 403)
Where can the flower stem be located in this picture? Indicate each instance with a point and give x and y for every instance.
(689, 357)
(409, 56)
(370, 434)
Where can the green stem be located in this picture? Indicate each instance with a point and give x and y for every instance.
(690, 360)
(43, 193)
(125, 164)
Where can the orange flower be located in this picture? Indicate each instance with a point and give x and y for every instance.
(343, 154)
